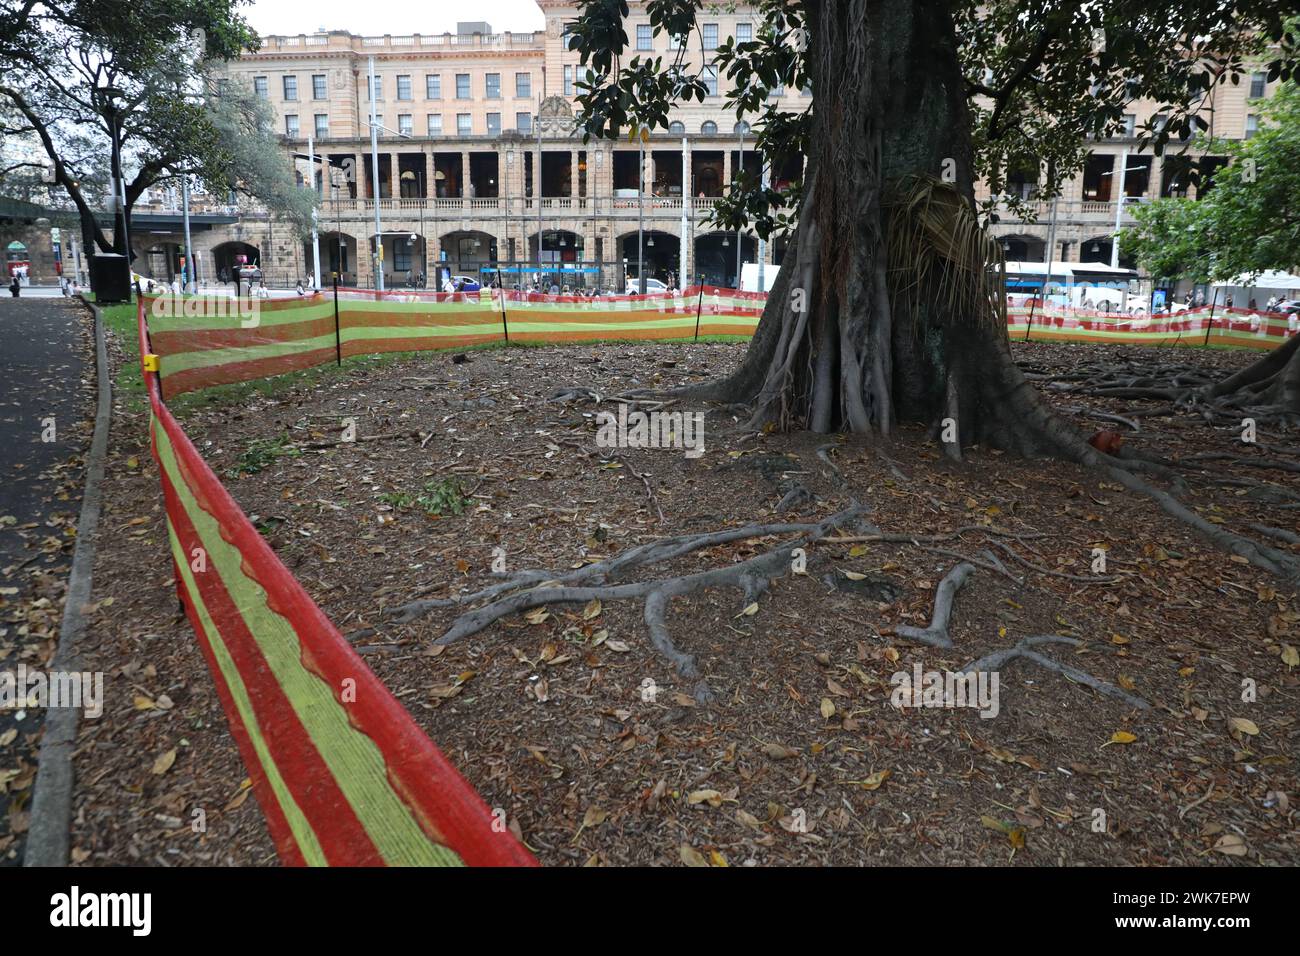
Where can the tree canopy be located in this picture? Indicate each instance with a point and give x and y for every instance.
(74, 73)
(1040, 81)
(1248, 222)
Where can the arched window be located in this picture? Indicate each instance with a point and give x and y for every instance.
(708, 128)
(741, 128)
(677, 128)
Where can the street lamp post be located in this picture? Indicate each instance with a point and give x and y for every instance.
(739, 244)
(190, 275)
(640, 218)
(315, 232)
(377, 257)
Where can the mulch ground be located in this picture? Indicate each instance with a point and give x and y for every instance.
(572, 723)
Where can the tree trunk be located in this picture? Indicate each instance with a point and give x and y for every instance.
(857, 334)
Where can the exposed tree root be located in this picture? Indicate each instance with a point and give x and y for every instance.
(936, 635)
(1024, 650)
(530, 589)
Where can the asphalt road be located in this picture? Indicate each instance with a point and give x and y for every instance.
(41, 365)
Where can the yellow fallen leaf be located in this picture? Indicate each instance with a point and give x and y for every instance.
(1289, 656)
(750, 611)
(1231, 844)
(1120, 737)
(828, 708)
(537, 615)
(592, 610)
(857, 551)
(164, 762)
(712, 797)
(717, 858)
(1242, 725)
(691, 856)
(143, 703)
(876, 779)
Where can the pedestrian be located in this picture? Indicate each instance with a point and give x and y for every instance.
(14, 285)
(300, 289)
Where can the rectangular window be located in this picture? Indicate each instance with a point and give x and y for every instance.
(1130, 125)
(322, 125)
(645, 39)
(403, 87)
(568, 81)
(494, 124)
(433, 86)
(379, 88)
(319, 90)
(710, 31)
(464, 124)
(291, 125)
(710, 78)
(1252, 125)
(435, 124)
(260, 87)
(744, 32)
(1258, 85)
(524, 122)
(404, 124)
(291, 87)
(492, 86)
(462, 86)
(523, 84)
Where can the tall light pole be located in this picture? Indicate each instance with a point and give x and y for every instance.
(762, 243)
(315, 234)
(686, 198)
(377, 257)
(640, 217)
(739, 244)
(190, 275)
(1119, 209)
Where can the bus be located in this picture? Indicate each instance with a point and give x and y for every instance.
(1078, 285)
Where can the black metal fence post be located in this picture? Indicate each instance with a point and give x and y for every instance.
(698, 306)
(501, 285)
(338, 338)
(1210, 325)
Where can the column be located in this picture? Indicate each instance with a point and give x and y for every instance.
(573, 175)
(465, 190)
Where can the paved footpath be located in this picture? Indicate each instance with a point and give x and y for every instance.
(42, 352)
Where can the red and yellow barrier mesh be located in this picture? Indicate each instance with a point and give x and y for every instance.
(216, 341)
(343, 774)
(1217, 328)
(203, 342)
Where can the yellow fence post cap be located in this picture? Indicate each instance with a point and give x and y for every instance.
(150, 362)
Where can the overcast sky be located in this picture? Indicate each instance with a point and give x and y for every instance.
(377, 17)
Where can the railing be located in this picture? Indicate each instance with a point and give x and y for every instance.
(1074, 209)
(619, 206)
(480, 41)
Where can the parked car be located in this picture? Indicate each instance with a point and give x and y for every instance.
(470, 284)
(652, 287)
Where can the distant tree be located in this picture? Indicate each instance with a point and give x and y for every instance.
(1248, 222)
(73, 74)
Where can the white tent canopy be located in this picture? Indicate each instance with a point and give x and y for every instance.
(1269, 279)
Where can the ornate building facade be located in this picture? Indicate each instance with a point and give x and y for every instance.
(477, 167)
